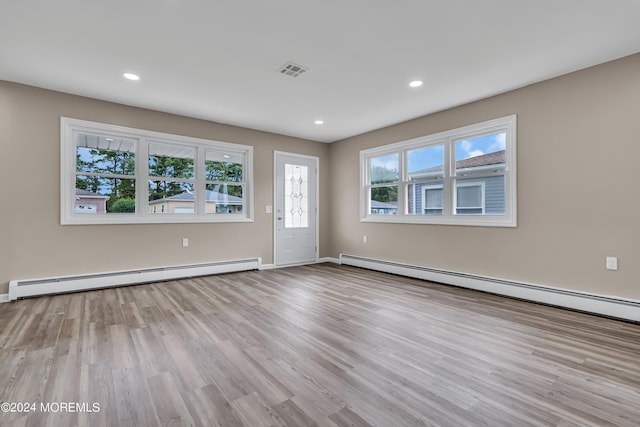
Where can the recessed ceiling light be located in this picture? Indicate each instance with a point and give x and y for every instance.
(131, 76)
(416, 83)
(319, 122)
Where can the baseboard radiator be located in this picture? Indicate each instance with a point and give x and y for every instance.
(56, 285)
(599, 304)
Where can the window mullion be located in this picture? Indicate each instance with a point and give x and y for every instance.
(200, 184)
(448, 182)
(402, 193)
(105, 175)
(142, 177)
(171, 179)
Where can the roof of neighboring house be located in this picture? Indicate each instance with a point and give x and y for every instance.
(212, 196)
(495, 158)
(89, 194)
(381, 205)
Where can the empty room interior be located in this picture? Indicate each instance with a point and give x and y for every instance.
(348, 213)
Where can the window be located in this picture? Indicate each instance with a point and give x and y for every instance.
(296, 201)
(432, 199)
(112, 174)
(465, 176)
(470, 198)
(383, 184)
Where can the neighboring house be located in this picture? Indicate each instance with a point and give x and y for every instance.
(184, 203)
(482, 195)
(381, 208)
(88, 202)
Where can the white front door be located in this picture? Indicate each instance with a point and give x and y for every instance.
(296, 213)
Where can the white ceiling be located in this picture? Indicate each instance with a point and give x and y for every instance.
(218, 60)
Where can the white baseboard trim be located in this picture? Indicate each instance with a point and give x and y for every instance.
(56, 285)
(267, 267)
(4, 298)
(611, 306)
(329, 259)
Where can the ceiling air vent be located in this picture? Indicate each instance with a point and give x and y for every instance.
(291, 69)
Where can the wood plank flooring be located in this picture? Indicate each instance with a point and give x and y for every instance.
(321, 345)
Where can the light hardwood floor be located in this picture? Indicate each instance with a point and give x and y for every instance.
(321, 345)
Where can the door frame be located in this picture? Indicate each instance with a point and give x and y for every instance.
(316, 159)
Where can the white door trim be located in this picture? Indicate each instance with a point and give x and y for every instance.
(274, 210)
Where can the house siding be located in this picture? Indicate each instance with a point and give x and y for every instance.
(494, 196)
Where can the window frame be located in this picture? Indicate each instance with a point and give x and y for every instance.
(143, 138)
(506, 125)
(384, 184)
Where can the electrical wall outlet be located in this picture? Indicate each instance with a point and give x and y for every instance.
(364, 239)
(612, 263)
(185, 242)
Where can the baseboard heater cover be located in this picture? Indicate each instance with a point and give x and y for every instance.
(599, 304)
(55, 285)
